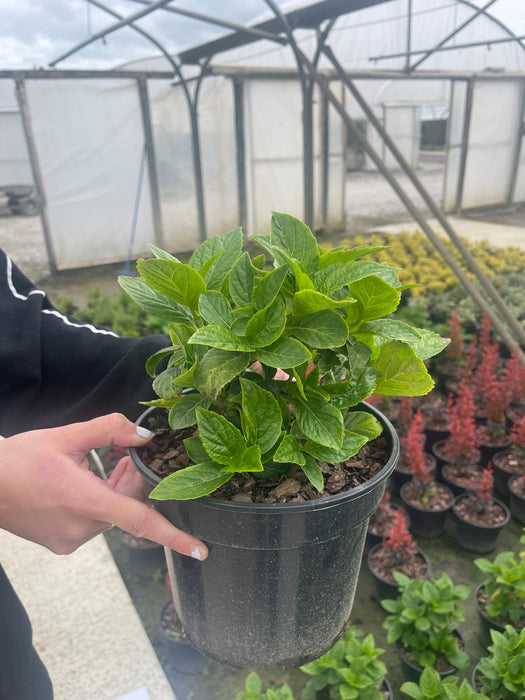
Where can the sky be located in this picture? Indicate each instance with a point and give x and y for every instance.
(34, 32)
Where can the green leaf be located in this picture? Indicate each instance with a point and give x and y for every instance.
(363, 423)
(285, 353)
(154, 360)
(429, 344)
(217, 337)
(296, 239)
(308, 301)
(191, 482)
(261, 414)
(338, 275)
(318, 420)
(154, 303)
(222, 441)
(289, 451)
(268, 287)
(163, 384)
(215, 309)
(376, 298)
(313, 473)
(217, 368)
(253, 683)
(159, 253)
(195, 450)
(267, 325)
(249, 460)
(412, 690)
(241, 281)
(182, 413)
(176, 281)
(401, 372)
(347, 255)
(391, 329)
(352, 443)
(302, 280)
(229, 245)
(322, 329)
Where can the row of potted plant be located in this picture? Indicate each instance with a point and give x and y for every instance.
(352, 669)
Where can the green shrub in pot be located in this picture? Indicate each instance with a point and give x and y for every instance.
(502, 673)
(321, 317)
(253, 690)
(423, 619)
(350, 669)
(432, 687)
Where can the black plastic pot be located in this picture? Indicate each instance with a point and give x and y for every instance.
(426, 523)
(389, 589)
(486, 623)
(516, 503)
(372, 539)
(144, 557)
(412, 672)
(184, 657)
(457, 488)
(474, 537)
(398, 478)
(433, 435)
(487, 452)
(278, 586)
(502, 475)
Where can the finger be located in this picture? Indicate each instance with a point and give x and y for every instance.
(113, 428)
(140, 520)
(126, 480)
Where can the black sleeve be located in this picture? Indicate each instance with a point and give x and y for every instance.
(56, 370)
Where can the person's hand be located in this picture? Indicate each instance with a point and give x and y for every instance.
(49, 496)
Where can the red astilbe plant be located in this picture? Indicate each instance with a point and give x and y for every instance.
(494, 404)
(480, 493)
(420, 466)
(513, 380)
(404, 418)
(454, 350)
(461, 448)
(484, 375)
(398, 543)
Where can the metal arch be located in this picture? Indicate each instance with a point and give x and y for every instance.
(259, 33)
(145, 34)
(451, 35)
(109, 30)
(497, 21)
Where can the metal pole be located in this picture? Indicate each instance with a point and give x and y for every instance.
(258, 33)
(509, 341)
(238, 102)
(21, 98)
(112, 28)
(196, 148)
(471, 263)
(409, 35)
(325, 159)
(480, 11)
(456, 47)
(152, 163)
(464, 145)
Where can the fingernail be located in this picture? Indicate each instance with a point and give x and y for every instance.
(196, 553)
(143, 432)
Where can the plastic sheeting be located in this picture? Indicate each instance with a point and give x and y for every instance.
(15, 168)
(89, 141)
(492, 143)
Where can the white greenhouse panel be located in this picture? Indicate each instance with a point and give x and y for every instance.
(492, 143)
(15, 168)
(89, 141)
(402, 125)
(454, 145)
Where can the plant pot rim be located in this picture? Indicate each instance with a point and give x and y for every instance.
(312, 505)
(482, 612)
(512, 481)
(393, 583)
(427, 510)
(400, 650)
(461, 496)
(162, 631)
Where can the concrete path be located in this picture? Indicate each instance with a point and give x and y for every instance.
(85, 626)
(473, 230)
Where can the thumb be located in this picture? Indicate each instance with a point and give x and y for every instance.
(113, 428)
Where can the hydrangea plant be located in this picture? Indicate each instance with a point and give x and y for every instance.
(323, 318)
